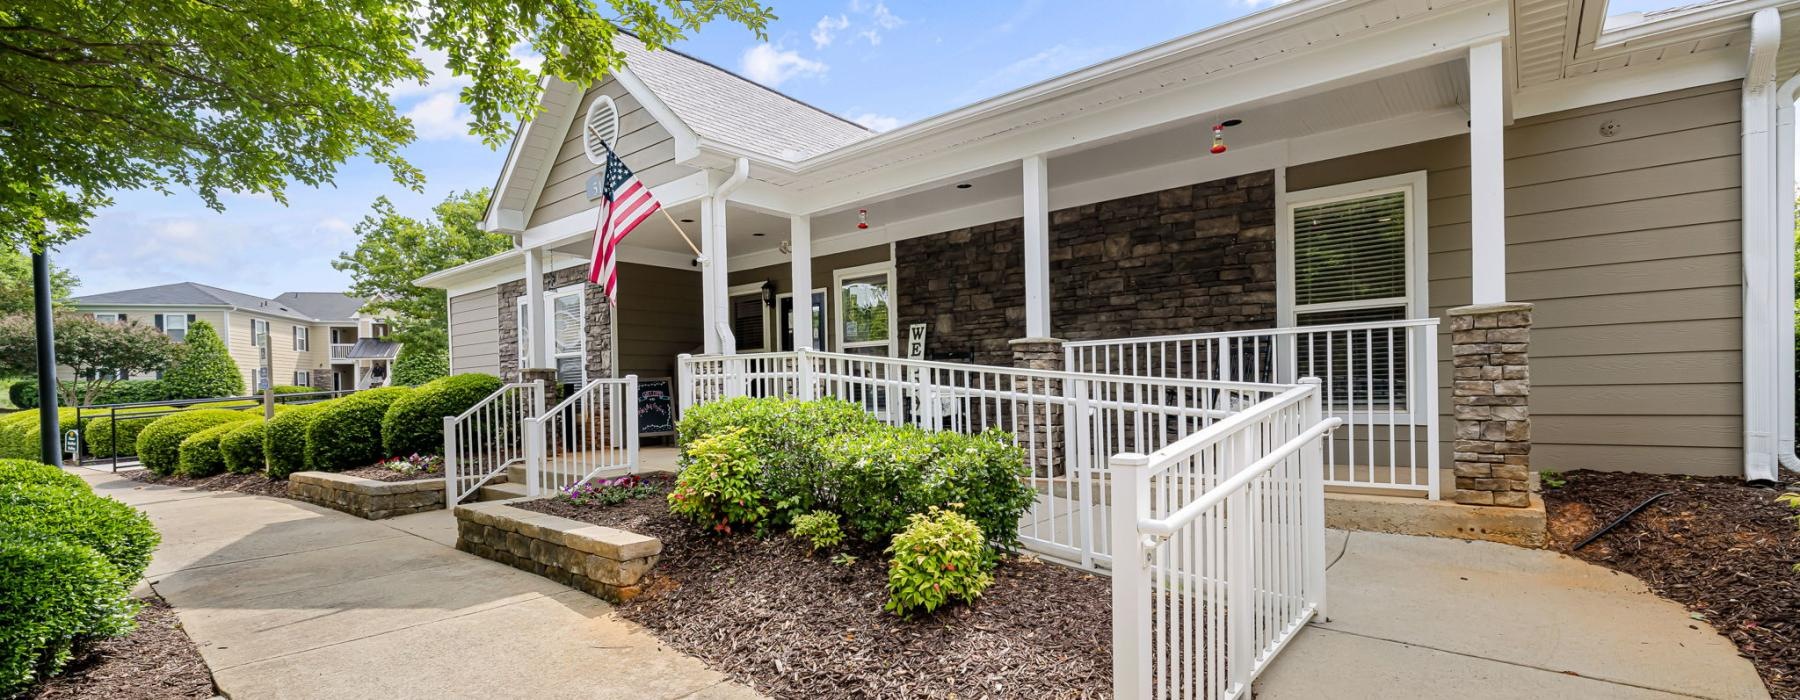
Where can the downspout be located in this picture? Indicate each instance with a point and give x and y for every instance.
(1762, 405)
(1784, 270)
(720, 268)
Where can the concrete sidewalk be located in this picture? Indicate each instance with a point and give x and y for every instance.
(289, 600)
(1421, 617)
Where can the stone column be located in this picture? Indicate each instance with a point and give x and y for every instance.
(1492, 403)
(1039, 429)
(552, 388)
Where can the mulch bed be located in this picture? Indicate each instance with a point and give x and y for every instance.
(794, 626)
(385, 474)
(156, 661)
(1723, 549)
(243, 483)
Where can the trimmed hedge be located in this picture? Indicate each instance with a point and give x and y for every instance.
(25, 471)
(242, 448)
(415, 423)
(292, 389)
(284, 439)
(787, 435)
(159, 445)
(347, 433)
(117, 531)
(19, 432)
(200, 453)
(99, 433)
(56, 594)
(23, 393)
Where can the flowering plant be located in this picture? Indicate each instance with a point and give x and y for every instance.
(414, 463)
(609, 492)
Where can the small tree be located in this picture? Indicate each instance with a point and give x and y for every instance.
(418, 364)
(205, 368)
(99, 353)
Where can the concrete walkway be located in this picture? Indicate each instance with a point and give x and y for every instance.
(288, 600)
(1419, 617)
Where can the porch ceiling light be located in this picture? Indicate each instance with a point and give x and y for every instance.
(963, 185)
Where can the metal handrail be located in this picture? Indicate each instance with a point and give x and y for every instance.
(1217, 494)
(1278, 330)
(1018, 371)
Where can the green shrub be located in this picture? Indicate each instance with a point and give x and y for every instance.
(418, 363)
(200, 452)
(19, 432)
(242, 448)
(117, 531)
(819, 528)
(717, 486)
(205, 368)
(879, 479)
(99, 435)
(57, 593)
(940, 556)
(25, 471)
(415, 423)
(284, 439)
(291, 389)
(786, 436)
(159, 444)
(23, 393)
(347, 433)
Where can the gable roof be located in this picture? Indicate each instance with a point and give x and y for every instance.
(182, 294)
(325, 306)
(725, 107)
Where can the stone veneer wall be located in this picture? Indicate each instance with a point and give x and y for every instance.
(603, 561)
(1188, 259)
(598, 323)
(367, 498)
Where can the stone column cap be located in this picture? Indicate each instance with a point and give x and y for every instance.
(1478, 309)
(1036, 341)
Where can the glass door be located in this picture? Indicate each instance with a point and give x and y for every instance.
(785, 314)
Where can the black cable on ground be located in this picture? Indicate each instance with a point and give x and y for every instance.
(1620, 519)
(1341, 552)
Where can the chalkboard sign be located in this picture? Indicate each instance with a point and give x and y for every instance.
(656, 406)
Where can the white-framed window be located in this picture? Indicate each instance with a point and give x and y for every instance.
(1356, 253)
(109, 318)
(524, 317)
(173, 325)
(259, 329)
(749, 317)
(302, 341)
(865, 309)
(302, 377)
(568, 335)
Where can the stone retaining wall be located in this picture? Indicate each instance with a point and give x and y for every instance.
(606, 562)
(367, 498)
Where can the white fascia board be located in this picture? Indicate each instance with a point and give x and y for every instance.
(1705, 19)
(490, 222)
(1381, 52)
(551, 119)
(498, 219)
(1703, 68)
(687, 143)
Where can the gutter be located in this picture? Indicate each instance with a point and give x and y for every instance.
(1764, 384)
(717, 259)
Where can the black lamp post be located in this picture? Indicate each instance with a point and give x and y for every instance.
(49, 429)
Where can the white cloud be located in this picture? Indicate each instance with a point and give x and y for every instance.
(876, 122)
(883, 18)
(874, 37)
(771, 66)
(878, 16)
(266, 254)
(440, 117)
(827, 29)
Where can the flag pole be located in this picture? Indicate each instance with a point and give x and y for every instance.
(665, 212)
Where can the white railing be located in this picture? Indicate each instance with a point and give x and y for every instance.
(1067, 423)
(592, 433)
(483, 441)
(340, 351)
(1380, 377)
(1226, 529)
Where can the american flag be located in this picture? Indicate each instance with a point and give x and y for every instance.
(625, 203)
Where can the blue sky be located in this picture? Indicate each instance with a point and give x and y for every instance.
(882, 63)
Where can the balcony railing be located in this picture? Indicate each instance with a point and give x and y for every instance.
(340, 351)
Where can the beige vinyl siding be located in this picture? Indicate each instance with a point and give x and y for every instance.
(1628, 246)
(644, 145)
(147, 317)
(284, 361)
(659, 317)
(475, 332)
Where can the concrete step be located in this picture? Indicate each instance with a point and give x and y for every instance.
(515, 474)
(500, 491)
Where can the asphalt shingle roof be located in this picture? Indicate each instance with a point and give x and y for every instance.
(725, 107)
(193, 294)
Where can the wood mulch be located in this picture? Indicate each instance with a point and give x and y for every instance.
(797, 626)
(1725, 550)
(385, 474)
(243, 483)
(156, 661)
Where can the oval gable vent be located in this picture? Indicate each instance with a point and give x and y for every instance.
(600, 130)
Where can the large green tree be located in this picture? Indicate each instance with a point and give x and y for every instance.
(205, 368)
(99, 353)
(15, 282)
(396, 249)
(252, 95)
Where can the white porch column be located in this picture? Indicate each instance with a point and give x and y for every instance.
(1037, 247)
(1487, 174)
(537, 337)
(800, 243)
(709, 291)
(721, 279)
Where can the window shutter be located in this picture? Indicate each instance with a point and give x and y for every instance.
(1350, 250)
(121, 319)
(190, 318)
(159, 323)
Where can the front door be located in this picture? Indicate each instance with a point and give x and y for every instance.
(785, 317)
